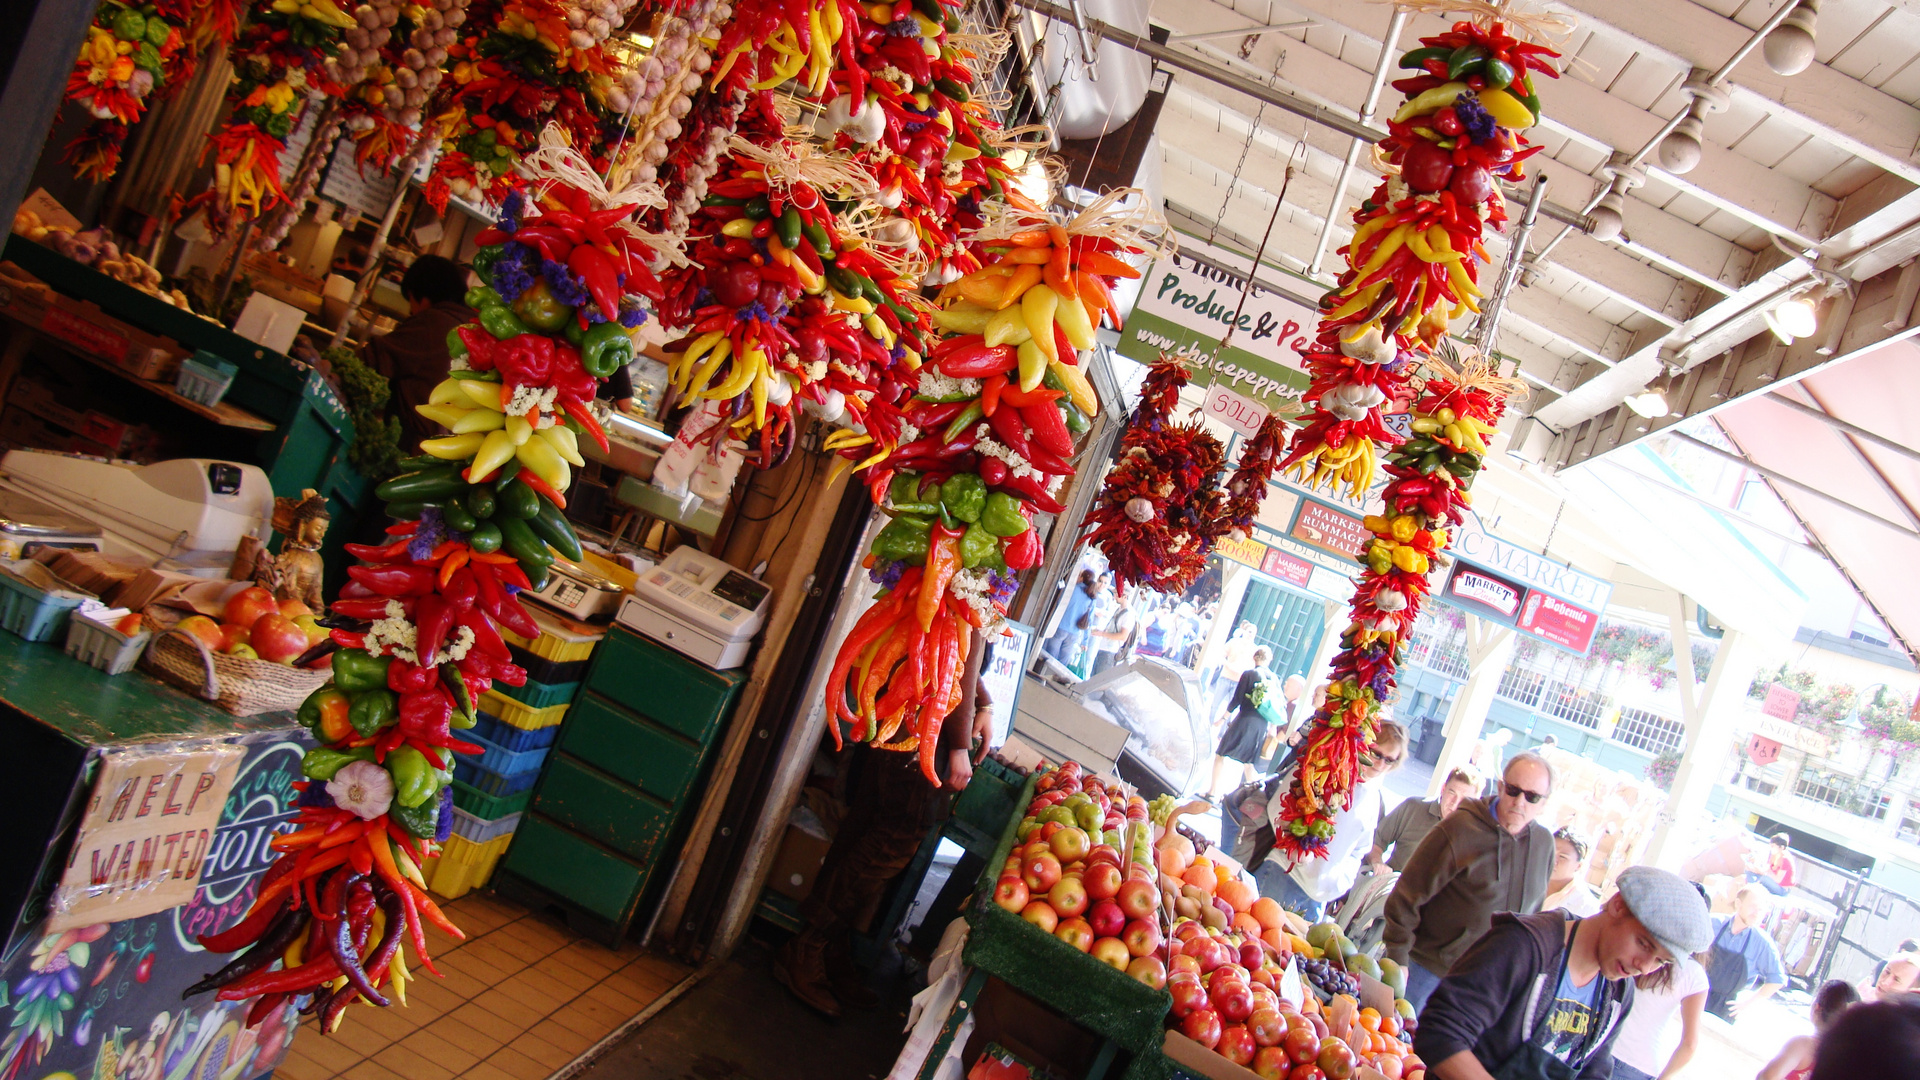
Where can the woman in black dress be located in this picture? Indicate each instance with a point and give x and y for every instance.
(1240, 744)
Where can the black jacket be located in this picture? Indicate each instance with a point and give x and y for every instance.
(1501, 990)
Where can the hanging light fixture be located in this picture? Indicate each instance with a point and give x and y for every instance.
(1789, 47)
(1651, 404)
(1792, 319)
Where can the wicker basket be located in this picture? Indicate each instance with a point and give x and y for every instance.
(237, 685)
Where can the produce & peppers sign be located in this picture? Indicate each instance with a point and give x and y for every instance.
(1186, 304)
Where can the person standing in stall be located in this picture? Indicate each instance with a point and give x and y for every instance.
(890, 807)
(414, 357)
(1743, 958)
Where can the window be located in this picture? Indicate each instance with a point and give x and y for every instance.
(1910, 824)
(1574, 705)
(1524, 687)
(1650, 731)
(1842, 793)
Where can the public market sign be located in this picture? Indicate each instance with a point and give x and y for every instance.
(1515, 587)
(1187, 302)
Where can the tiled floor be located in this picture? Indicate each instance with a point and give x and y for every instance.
(522, 998)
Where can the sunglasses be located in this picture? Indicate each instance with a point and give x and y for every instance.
(1515, 791)
(1370, 758)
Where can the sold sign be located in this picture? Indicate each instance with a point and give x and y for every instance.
(1237, 411)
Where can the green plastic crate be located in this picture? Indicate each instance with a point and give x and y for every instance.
(990, 797)
(539, 695)
(489, 807)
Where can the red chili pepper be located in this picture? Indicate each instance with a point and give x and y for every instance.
(542, 488)
(394, 552)
(1007, 428)
(405, 678)
(395, 579)
(1049, 427)
(1030, 489)
(425, 715)
(374, 608)
(346, 639)
(601, 278)
(583, 416)
(434, 620)
(977, 361)
(485, 637)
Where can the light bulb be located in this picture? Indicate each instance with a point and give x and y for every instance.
(1797, 317)
(1651, 404)
(1608, 219)
(1789, 48)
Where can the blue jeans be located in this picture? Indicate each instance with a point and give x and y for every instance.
(1278, 885)
(1229, 831)
(1624, 1071)
(1420, 985)
(1767, 883)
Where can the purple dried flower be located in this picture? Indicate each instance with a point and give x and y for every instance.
(431, 534)
(510, 209)
(444, 827)
(887, 574)
(512, 273)
(565, 287)
(1474, 118)
(631, 314)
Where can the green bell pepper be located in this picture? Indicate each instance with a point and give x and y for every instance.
(321, 763)
(501, 322)
(422, 821)
(605, 349)
(540, 309)
(373, 710)
(356, 670)
(129, 25)
(483, 260)
(964, 495)
(309, 714)
(414, 780)
(977, 546)
(905, 489)
(905, 539)
(456, 348)
(481, 296)
(1002, 516)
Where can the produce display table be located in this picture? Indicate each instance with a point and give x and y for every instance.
(92, 996)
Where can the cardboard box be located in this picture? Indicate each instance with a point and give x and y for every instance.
(1203, 1062)
(85, 328)
(23, 301)
(38, 398)
(19, 428)
(100, 428)
(798, 863)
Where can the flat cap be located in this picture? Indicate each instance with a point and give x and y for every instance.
(1669, 907)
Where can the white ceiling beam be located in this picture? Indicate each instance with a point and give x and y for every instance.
(1825, 103)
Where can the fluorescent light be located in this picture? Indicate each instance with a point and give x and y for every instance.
(647, 431)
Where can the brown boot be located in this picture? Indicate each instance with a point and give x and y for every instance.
(801, 967)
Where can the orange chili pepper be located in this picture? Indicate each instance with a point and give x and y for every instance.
(445, 549)
(493, 557)
(990, 390)
(1030, 238)
(455, 560)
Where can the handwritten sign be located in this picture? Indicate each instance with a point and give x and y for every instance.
(143, 843)
(1237, 411)
(1001, 673)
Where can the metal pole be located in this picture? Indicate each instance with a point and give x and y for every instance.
(1388, 46)
(1489, 322)
(1854, 430)
(1787, 481)
(233, 268)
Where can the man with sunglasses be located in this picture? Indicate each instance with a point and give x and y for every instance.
(1541, 997)
(1488, 856)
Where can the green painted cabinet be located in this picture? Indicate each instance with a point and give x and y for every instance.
(612, 806)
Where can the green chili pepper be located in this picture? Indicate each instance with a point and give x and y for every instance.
(788, 227)
(551, 525)
(481, 503)
(484, 259)
(322, 763)
(605, 349)
(356, 670)
(422, 821)
(905, 539)
(441, 481)
(758, 208)
(977, 546)
(964, 495)
(1077, 422)
(373, 710)
(501, 322)
(455, 513)
(968, 417)
(573, 333)
(540, 309)
(519, 540)
(1002, 515)
(484, 539)
(456, 685)
(414, 781)
(517, 500)
(483, 296)
(817, 236)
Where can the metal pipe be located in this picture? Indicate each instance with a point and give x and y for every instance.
(1854, 430)
(1489, 322)
(1388, 46)
(1252, 31)
(1784, 480)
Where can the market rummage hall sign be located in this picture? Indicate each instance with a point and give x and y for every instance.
(1533, 594)
(1187, 302)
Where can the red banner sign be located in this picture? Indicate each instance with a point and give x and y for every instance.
(1762, 751)
(1287, 568)
(1324, 527)
(1557, 621)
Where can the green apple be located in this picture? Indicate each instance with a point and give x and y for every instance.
(1088, 817)
(243, 652)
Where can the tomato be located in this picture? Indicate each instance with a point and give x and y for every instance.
(1427, 167)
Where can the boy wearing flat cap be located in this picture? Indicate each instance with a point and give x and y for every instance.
(1540, 997)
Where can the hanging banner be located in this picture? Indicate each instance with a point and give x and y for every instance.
(1187, 302)
(1512, 586)
(1762, 751)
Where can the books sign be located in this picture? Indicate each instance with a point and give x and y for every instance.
(144, 840)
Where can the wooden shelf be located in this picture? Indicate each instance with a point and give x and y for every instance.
(224, 414)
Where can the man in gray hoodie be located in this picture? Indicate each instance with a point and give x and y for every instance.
(1487, 856)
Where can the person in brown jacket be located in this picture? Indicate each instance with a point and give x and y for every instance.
(1487, 856)
(414, 357)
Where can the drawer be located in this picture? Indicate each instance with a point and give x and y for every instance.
(602, 808)
(576, 869)
(643, 754)
(662, 685)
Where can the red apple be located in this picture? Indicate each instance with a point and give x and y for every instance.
(1319, 1025)
(1102, 880)
(1111, 952)
(1149, 970)
(1076, 933)
(1232, 972)
(1039, 914)
(312, 628)
(1188, 995)
(1300, 1043)
(293, 609)
(1203, 1027)
(231, 635)
(1336, 1059)
(276, 638)
(203, 628)
(1264, 998)
(1011, 893)
(1069, 845)
(1270, 1063)
(1107, 919)
(1142, 937)
(1068, 897)
(1011, 866)
(1041, 872)
(1050, 830)
(1236, 1045)
(1100, 853)
(1252, 956)
(1187, 930)
(245, 607)
(1262, 976)
(1307, 1071)
(1233, 1000)
(1138, 897)
(1183, 962)
(1267, 1027)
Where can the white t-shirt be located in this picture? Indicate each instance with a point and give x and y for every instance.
(1578, 898)
(1648, 1035)
(1329, 878)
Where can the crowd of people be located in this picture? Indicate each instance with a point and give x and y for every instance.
(1099, 628)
